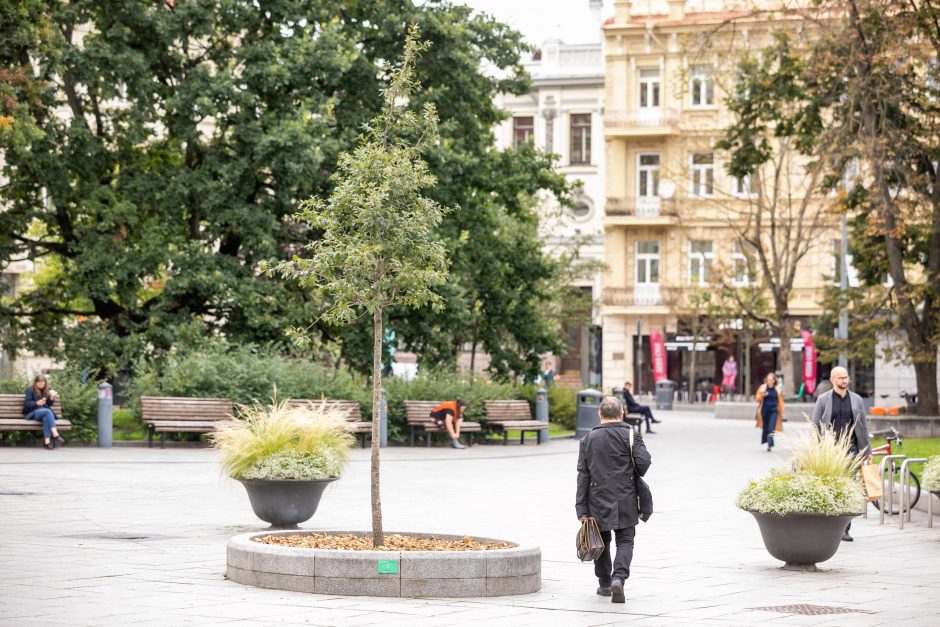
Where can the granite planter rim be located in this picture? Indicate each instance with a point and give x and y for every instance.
(413, 574)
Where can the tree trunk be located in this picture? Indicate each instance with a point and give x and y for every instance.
(473, 359)
(927, 401)
(378, 537)
(693, 390)
(786, 358)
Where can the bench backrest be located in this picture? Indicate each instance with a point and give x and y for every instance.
(183, 408)
(352, 408)
(11, 406)
(420, 411)
(508, 410)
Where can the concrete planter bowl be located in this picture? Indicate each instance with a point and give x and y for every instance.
(801, 540)
(285, 503)
(501, 572)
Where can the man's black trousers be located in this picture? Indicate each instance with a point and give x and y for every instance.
(621, 566)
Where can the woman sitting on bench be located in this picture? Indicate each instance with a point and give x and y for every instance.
(449, 415)
(36, 406)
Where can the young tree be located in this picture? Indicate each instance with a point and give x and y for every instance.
(375, 240)
(875, 67)
(772, 142)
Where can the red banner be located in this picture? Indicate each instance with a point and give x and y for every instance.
(809, 362)
(658, 350)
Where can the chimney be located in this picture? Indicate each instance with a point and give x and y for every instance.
(676, 9)
(596, 8)
(622, 11)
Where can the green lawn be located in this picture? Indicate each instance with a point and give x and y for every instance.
(554, 430)
(127, 426)
(913, 447)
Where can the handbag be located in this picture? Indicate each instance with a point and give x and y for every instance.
(871, 481)
(589, 542)
(644, 496)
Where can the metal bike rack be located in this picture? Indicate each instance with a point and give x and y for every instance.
(885, 496)
(906, 488)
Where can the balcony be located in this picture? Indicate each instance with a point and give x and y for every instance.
(641, 210)
(656, 122)
(641, 295)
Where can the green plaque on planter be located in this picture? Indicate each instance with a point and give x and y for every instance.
(388, 567)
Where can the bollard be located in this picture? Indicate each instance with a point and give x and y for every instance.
(383, 420)
(541, 412)
(105, 405)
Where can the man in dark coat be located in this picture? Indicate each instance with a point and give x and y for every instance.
(607, 491)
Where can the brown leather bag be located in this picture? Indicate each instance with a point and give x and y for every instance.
(589, 542)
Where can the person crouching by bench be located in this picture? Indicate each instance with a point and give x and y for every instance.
(635, 408)
(449, 415)
(38, 406)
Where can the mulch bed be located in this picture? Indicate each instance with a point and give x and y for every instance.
(393, 542)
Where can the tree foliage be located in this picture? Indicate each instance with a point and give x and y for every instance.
(152, 153)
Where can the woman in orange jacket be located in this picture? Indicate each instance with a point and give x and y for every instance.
(769, 410)
(449, 415)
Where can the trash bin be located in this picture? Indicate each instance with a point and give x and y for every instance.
(665, 391)
(589, 401)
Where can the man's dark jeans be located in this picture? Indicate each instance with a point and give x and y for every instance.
(646, 411)
(621, 565)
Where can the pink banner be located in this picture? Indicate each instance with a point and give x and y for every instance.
(658, 350)
(809, 362)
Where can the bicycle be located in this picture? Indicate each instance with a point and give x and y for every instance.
(895, 472)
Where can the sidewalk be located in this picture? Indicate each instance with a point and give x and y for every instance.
(137, 536)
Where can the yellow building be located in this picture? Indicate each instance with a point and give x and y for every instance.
(669, 198)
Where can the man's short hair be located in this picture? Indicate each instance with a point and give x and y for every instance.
(611, 408)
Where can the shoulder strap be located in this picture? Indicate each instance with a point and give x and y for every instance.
(632, 431)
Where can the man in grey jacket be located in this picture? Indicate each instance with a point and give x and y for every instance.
(607, 491)
(843, 412)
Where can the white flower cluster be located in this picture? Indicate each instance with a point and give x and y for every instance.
(787, 492)
(931, 479)
(290, 464)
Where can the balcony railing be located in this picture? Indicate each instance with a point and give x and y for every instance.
(640, 206)
(641, 294)
(641, 118)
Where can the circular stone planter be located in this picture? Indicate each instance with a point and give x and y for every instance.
(801, 540)
(500, 572)
(285, 503)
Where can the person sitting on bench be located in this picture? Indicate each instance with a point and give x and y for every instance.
(449, 415)
(37, 405)
(635, 408)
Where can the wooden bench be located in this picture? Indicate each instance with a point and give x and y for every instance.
(11, 415)
(634, 420)
(172, 414)
(419, 418)
(354, 414)
(506, 415)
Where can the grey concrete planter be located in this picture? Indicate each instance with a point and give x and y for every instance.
(517, 570)
(285, 503)
(802, 540)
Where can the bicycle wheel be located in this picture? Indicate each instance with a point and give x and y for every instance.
(896, 494)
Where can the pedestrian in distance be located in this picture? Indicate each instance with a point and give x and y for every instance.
(844, 412)
(37, 405)
(607, 491)
(635, 408)
(449, 415)
(729, 375)
(769, 410)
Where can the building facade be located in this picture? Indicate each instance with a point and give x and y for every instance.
(668, 197)
(563, 114)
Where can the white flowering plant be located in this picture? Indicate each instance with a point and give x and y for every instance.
(823, 480)
(284, 441)
(931, 477)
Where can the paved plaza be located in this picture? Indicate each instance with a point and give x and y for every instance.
(128, 536)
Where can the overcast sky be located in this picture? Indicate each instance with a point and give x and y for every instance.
(538, 20)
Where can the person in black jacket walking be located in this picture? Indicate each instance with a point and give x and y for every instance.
(607, 491)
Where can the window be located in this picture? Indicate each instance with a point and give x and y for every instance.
(523, 129)
(700, 262)
(648, 181)
(647, 262)
(702, 86)
(745, 186)
(581, 138)
(702, 181)
(649, 89)
(742, 265)
(581, 209)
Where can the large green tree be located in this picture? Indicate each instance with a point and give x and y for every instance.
(875, 68)
(157, 148)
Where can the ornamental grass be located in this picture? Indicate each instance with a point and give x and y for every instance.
(280, 441)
